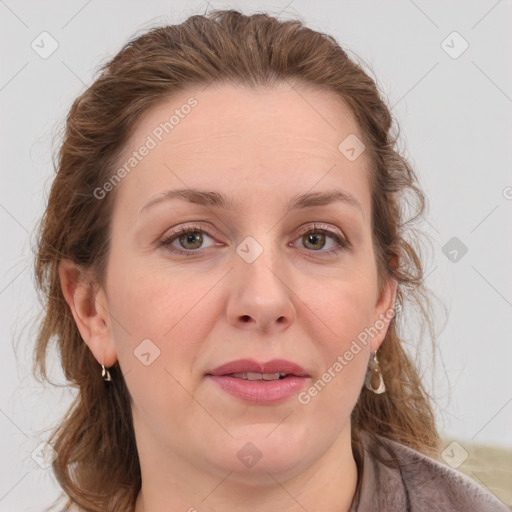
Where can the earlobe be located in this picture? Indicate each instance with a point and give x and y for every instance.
(384, 312)
(88, 306)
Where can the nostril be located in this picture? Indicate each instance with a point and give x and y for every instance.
(246, 318)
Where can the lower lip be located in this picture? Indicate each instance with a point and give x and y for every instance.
(260, 391)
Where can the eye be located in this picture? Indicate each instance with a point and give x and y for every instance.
(317, 237)
(189, 240)
(186, 240)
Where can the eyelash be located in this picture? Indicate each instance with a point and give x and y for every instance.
(342, 243)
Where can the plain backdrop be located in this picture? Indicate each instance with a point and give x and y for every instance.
(452, 97)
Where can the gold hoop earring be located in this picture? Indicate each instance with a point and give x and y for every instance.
(374, 380)
(105, 374)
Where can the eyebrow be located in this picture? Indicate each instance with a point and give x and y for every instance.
(220, 200)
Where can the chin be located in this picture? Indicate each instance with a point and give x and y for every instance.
(257, 450)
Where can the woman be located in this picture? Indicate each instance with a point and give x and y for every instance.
(223, 255)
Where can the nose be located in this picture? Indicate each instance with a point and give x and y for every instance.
(261, 294)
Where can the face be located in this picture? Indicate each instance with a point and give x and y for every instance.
(193, 285)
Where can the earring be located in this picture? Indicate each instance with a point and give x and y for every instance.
(105, 374)
(374, 380)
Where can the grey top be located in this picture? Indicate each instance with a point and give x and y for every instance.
(406, 480)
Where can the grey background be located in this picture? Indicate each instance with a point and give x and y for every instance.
(455, 119)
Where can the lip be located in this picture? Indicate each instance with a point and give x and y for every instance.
(250, 365)
(260, 391)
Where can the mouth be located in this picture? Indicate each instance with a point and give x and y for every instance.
(260, 383)
(259, 376)
(253, 370)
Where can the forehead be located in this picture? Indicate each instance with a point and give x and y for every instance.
(229, 137)
(230, 109)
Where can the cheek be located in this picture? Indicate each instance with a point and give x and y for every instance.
(171, 309)
(344, 312)
(161, 321)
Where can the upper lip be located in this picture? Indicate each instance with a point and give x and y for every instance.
(252, 366)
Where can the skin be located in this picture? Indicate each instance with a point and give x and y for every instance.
(260, 147)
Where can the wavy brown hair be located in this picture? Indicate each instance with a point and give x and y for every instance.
(97, 465)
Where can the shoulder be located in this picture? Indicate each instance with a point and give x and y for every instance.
(397, 477)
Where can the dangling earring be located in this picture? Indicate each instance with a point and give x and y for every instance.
(374, 380)
(105, 374)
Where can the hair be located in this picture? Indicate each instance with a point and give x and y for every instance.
(97, 464)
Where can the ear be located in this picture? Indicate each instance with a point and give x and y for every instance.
(88, 305)
(384, 312)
